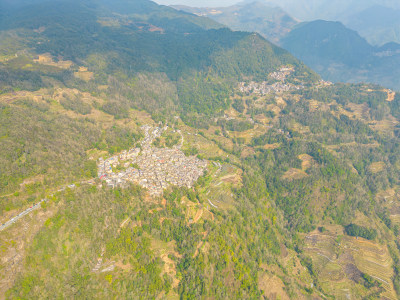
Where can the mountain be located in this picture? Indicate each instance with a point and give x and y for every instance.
(340, 54)
(271, 22)
(328, 41)
(376, 21)
(150, 153)
(333, 50)
(378, 24)
(146, 42)
(335, 10)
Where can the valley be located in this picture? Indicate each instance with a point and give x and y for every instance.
(182, 160)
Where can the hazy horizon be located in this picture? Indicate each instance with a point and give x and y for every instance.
(197, 3)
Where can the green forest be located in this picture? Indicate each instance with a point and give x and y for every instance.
(299, 200)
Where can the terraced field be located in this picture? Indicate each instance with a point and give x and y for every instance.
(341, 261)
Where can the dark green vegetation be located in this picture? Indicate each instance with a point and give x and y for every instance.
(375, 20)
(201, 66)
(340, 54)
(271, 22)
(154, 58)
(359, 231)
(284, 169)
(334, 51)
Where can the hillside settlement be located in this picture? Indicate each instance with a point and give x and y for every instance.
(150, 167)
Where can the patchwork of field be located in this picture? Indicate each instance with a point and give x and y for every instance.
(306, 162)
(47, 59)
(341, 261)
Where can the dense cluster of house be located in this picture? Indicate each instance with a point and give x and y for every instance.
(266, 87)
(281, 74)
(150, 167)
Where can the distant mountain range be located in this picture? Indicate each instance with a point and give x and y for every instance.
(341, 54)
(376, 20)
(308, 10)
(272, 22)
(104, 104)
(335, 51)
(378, 24)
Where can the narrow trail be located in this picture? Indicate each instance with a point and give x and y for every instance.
(36, 206)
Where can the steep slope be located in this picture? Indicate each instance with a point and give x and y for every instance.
(178, 162)
(159, 40)
(335, 10)
(378, 24)
(376, 21)
(340, 54)
(153, 58)
(271, 22)
(330, 41)
(331, 49)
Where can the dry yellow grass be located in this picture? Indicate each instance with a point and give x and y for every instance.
(84, 75)
(280, 102)
(262, 119)
(198, 216)
(315, 105)
(385, 125)
(274, 108)
(164, 250)
(306, 161)
(231, 178)
(352, 144)
(271, 146)
(47, 59)
(246, 152)
(272, 286)
(360, 111)
(293, 174)
(10, 97)
(386, 195)
(300, 128)
(102, 87)
(376, 167)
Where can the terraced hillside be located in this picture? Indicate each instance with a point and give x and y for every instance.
(298, 197)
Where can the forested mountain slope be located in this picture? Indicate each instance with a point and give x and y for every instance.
(299, 198)
(341, 54)
(331, 49)
(271, 22)
(378, 24)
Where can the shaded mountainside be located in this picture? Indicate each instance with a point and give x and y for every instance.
(331, 49)
(336, 10)
(378, 24)
(300, 197)
(160, 40)
(330, 41)
(375, 20)
(340, 54)
(271, 22)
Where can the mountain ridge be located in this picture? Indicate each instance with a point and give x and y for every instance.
(182, 161)
(341, 54)
(271, 22)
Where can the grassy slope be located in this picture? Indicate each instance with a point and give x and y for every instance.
(339, 135)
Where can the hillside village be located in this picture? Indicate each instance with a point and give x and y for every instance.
(266, 87)
(279, 86)
(150, 167)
